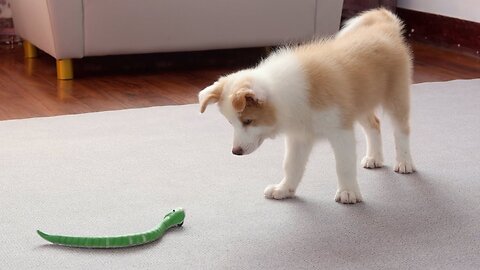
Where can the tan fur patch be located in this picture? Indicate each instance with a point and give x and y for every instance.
(239, 98)
(373, 122)
(360, 69)
(249, 107)
(261, 114)
(212, 97)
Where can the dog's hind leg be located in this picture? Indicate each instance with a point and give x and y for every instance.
(397, 106)
(343, 144)
(371, 127)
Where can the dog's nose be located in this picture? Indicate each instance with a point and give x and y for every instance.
(237, 151)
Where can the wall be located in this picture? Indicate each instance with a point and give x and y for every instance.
(5, 11)
(468, 10)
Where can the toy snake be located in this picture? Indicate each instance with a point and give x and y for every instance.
(172, 219)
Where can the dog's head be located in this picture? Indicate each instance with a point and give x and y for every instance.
(246, 106)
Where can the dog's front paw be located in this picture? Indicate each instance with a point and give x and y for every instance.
(278, 192)
(404, 167)
(372, 162)
(347, 196)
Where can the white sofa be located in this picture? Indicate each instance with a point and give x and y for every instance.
(69, 29)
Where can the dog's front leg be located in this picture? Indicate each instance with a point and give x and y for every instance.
(297, 151)
(343, 144)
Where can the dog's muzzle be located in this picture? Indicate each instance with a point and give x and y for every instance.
(237, 151)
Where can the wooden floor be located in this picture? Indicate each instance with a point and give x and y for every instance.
(29, 88)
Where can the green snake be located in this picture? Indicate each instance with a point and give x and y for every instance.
(172, 219)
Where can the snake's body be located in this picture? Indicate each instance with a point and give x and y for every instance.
(172, 219)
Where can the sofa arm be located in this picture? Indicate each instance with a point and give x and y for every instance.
(327, 18)
(54, 26)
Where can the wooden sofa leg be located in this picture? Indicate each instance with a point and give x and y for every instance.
(29, 49)
(64, 69)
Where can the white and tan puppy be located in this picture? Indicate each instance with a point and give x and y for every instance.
(319, 90)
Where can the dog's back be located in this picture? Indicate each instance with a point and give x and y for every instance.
(366, 63)
(374, 37)
(373, 20)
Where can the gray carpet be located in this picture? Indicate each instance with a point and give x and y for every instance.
(120, 172)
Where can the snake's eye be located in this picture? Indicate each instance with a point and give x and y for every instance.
(173, 210)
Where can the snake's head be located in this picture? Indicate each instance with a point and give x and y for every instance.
(175, 217)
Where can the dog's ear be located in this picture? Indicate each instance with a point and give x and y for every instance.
(244, 97)
(209, 95)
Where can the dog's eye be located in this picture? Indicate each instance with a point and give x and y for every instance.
(247, 122)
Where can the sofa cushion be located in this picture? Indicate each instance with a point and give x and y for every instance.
(127, 26)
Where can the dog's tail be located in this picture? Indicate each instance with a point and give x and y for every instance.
(375, 17)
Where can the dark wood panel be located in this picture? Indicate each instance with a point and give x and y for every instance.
(29, 88)
(441, 64)
(441, 30)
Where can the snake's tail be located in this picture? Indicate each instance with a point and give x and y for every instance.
(45, 236)
(42, 234)
(58, 239)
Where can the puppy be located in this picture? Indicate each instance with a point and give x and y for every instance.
(319, 90)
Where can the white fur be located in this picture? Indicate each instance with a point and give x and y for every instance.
(374, 157)
(287, 87)
(298, 149)
(404, 163)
